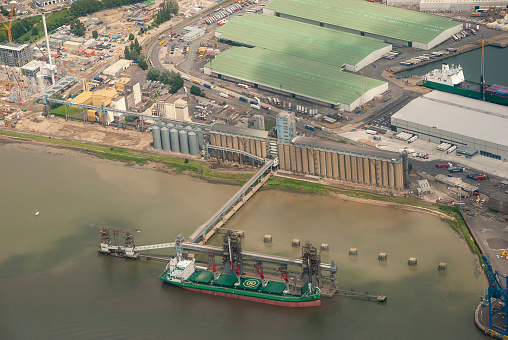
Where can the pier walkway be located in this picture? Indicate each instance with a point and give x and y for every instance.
(203, 233)
(248, 255)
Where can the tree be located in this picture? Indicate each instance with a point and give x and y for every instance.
(127, 53)
(35, 31)
(195, 90)
(177, 83)
(153, 74)
(142, 62)
(78, 28)
(131, 36)
(95, 34)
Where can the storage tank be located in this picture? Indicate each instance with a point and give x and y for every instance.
(201, 138)
(189, 128)
(170, 125)
(156, 134)
(193, 143)
(175, 144)
(184, 143)
(166, 146)
(40, 81)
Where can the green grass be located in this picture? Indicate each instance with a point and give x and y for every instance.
(135, 157)
(269, 125)
(60, 111)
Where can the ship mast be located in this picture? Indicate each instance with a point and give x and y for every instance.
(482, 80)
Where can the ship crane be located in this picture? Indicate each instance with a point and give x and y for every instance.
(214, 268)
(286, 278)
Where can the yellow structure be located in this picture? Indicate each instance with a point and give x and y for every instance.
(96, 98)
(120, 84)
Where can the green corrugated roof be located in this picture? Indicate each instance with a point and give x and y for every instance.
(293, 74)
(299, 39)
(274, 287)
(369, 17)
(225, 280)
(201, 276)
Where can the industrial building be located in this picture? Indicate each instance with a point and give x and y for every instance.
(117, 68)
(449, 5)
(191, 33)
(350, 163)
(286, 127)
(389, 24)
(458, 5)
(295, 77)
(441, 117)
(172, 107)
(15, 55)
(317, 44)
(299, 60)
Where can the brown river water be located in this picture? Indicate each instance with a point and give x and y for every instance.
(54, 285)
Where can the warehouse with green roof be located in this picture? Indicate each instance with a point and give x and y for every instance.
(295, 77)
(389, 24)
(332, 47)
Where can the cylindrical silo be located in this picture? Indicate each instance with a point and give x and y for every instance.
(175, 144)
(189, 128)
(156, 134)
(166, 146)
(201, 138)
(193, 143)
(170, 125)
(184, 143)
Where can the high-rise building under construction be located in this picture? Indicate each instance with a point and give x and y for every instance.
(15, 55)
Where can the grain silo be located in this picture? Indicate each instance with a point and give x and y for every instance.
(193, 143)
(184, 143)
(156, 134)
(201, 138)
(175, 144)
(166, 146)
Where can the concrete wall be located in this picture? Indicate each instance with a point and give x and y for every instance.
(346, 167)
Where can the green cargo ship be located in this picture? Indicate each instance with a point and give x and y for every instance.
(451, 79)
(185, 274)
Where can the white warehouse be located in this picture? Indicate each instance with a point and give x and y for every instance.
(441, 117)
(458, 5)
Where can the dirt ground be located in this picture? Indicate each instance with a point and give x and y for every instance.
(90, 133)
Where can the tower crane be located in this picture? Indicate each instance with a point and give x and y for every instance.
(8, 27)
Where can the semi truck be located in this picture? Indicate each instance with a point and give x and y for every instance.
(443, 165)
(456, 170)
(480, 177)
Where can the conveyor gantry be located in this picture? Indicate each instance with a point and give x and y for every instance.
(218, 251)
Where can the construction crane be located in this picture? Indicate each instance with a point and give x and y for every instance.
(8, 27)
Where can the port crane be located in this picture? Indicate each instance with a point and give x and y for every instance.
(497, 291)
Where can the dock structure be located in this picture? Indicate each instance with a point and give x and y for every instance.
(358, 295)
(310, 262)
(203, 233)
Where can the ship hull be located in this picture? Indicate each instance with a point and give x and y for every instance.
(312, 300)
(312, 303)
(462, 91)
